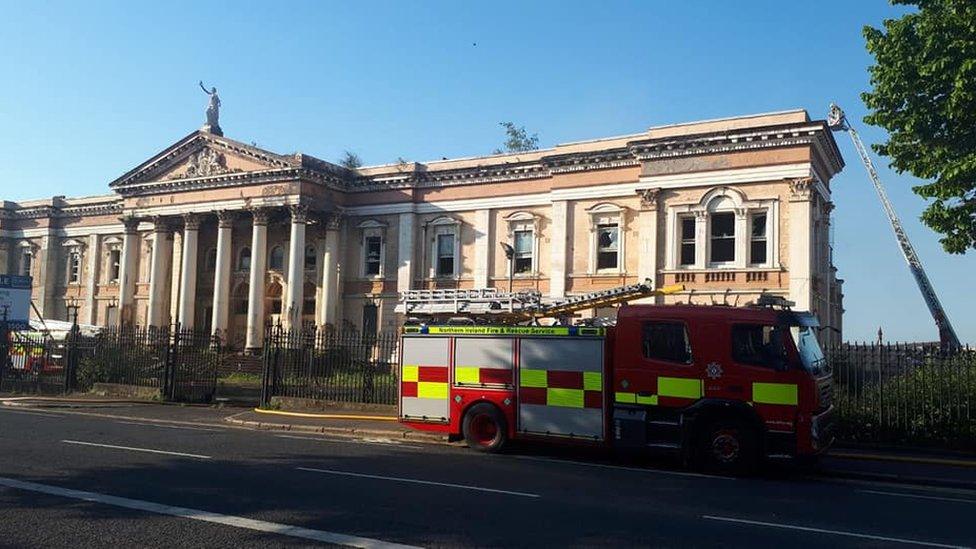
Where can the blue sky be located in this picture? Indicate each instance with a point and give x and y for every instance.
(89, 90)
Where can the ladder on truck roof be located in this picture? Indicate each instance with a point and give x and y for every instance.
(518, 306)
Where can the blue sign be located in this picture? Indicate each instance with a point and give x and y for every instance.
(15, 297)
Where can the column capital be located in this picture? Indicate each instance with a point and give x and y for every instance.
(130, 223)
(649, 198)
(191, 221)
(259, 216)
(299, 213)
(225, 218)
(333, 222)
(162, 224)
(801, 189)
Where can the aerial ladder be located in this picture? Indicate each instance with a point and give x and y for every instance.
(837, 121)
(489, 304)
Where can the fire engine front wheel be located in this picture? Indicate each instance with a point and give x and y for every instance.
(728, 447)
(484, 428)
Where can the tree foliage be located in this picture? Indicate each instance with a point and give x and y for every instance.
(517, 139)
(924, 94)
(350, 160)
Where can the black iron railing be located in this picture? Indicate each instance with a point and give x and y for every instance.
(330, 365)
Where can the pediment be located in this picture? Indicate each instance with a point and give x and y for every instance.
(203, 155)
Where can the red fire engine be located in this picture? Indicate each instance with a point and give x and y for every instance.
(723, 386)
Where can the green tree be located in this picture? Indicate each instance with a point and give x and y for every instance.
(517, 140)
(350, 160)
(924, 94)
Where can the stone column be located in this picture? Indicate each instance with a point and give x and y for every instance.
(405, 251)
(159, 277)
(559, 241)
(128, 273)
(296, 268)
(221, 300)
(701, 240)
(188, 272)
(482, 248)
(647, 236)
(91, 280)
(741, 238)
(255, 297)
(176, 262)
(330, 272)
(800, 252)
(46, 275)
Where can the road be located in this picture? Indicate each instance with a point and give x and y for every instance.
(70, 480)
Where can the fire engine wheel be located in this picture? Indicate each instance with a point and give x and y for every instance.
(729, 447)
(484, 428)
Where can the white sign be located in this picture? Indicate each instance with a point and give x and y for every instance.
(15, 294)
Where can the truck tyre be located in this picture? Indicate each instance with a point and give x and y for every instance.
(484, 428)
(728, 447)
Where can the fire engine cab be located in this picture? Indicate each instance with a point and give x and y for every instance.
(722, 386)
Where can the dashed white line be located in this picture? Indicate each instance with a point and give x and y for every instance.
(918, 496)
(833, 532)
(204, 516)
(350, 441)
(131, 449)
(165, 426)
(417, 481)
(621, 468)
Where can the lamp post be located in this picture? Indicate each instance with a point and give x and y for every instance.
(72, 305)
(510, 254)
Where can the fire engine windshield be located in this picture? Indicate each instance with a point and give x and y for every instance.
(811, 355)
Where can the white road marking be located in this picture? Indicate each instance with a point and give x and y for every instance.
(919, 496)
(38, 414)
(621, 468)
(131, 449)
(834, 532)
(417, 481)
(165, 426)
(383, 442)
(204, 516)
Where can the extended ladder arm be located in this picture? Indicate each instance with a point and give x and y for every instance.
(947, 335)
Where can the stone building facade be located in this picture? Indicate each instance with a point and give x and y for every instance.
(217, 233)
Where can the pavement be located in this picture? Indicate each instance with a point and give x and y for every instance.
(108, 473)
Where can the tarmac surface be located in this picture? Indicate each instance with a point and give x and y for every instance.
(116, 474)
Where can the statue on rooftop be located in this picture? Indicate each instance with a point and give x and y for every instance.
(213, 111)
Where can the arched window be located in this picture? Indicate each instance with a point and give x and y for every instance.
(244, 259)
(276, 260)
(310, 257)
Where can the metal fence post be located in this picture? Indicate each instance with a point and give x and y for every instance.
(4, 347)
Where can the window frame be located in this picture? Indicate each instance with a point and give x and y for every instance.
(314, 255)
(524, 222)
(603, 216)
(436, 228)
(239, 265)
(372, 229)
(684, 241)
(271, 261)
(74, 267)
(754, 239)
(689, 361)
(114, 270)
(712, 262)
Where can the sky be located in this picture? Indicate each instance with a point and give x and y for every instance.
(89, 90)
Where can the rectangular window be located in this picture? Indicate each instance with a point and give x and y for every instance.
(666, 341)
(757, 242)
(373, 246)
(445, 254)
(723, 237)
(114, 265)
(370, 319)
(608, 242)
(758, 345)
(523, 251)
(74, 268)
(687, 241)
